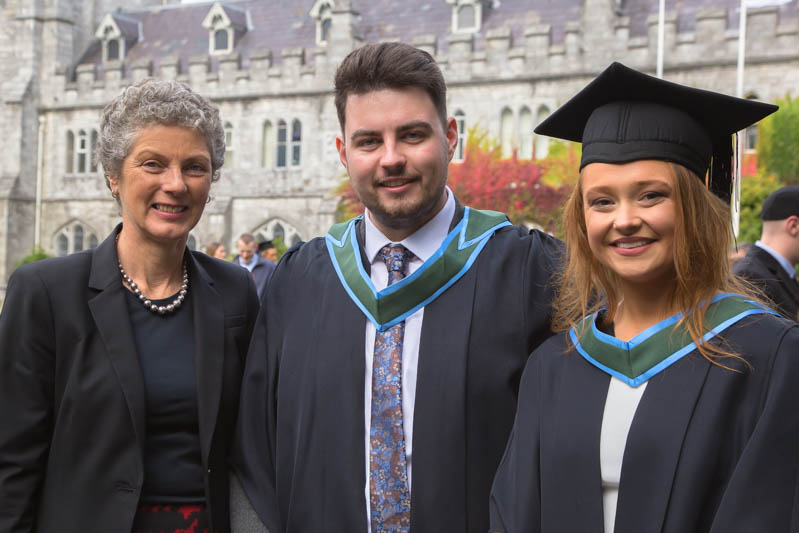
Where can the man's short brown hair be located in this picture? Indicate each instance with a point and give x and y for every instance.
(246, 238)
(389, 66)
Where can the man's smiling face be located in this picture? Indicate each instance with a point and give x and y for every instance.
(396, 152)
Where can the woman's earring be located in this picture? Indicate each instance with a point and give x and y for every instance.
(208, 201)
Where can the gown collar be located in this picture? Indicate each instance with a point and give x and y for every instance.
(659, 346)
(447, 265)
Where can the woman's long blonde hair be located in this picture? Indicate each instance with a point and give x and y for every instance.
(702, 236)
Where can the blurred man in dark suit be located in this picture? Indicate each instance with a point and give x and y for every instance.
(771, 262)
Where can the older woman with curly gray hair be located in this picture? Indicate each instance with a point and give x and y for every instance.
(120, 366)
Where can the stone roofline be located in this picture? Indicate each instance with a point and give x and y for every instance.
(294, 71)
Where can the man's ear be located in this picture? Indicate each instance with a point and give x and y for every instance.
(792, 224)
(341, 146)
(451, 132)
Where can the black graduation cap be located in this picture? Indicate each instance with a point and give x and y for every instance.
(624, 115)
(781, 204)
(265, 245)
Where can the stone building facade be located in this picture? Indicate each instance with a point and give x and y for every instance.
(269, 64)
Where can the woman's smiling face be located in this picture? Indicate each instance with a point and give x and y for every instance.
(165, 181)
(630, 218)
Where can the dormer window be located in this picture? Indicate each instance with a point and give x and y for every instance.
(467, 20)
(221, 41)
(117, 34)
(112, 50)
(224, 24)
(467, 15)
(111, 44)
(322, 11)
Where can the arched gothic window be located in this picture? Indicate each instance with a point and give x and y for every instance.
(296, 142)
(282, 138)
(62, 245)
(74, 237)
(77, 238)
(80, 149)
(268, 146)
(82, 153)
(278, 229)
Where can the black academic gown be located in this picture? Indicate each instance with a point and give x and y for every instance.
(300, 453)
(709, 450)
(760, 267)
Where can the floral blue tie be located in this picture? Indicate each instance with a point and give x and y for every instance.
(390, 500)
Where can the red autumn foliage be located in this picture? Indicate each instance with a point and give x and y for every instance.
(486, 181)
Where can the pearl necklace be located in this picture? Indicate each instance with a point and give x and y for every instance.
(160, 309)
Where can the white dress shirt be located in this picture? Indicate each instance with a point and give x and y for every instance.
(423, 244)
(620, 406)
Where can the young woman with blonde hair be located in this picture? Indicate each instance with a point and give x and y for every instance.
(668, 401)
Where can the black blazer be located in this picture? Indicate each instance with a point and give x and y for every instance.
(72, 400)
(760, 267)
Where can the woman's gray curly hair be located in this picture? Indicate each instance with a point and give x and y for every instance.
(150, 103)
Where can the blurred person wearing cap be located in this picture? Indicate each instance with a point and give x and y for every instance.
(268, 251)
(770, 263)
(667, 402)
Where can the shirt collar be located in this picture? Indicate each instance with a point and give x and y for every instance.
(423, 243)
(249, 266)
(780, 259)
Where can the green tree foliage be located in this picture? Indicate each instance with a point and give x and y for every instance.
(754, 190)
(280, 246)
(35, 255)
(561, 166)
(778, 142)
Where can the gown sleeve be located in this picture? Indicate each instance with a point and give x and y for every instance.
(254, 451)
(27, 366)
(763, 494)
(515, 501)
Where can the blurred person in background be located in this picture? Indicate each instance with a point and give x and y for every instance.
(260, 269)
(268, 251)
(771, 263)
(216, 249)
(120, 366)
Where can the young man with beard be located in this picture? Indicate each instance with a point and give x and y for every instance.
(382, 377)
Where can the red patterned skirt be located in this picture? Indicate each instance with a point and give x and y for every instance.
(191, 518)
